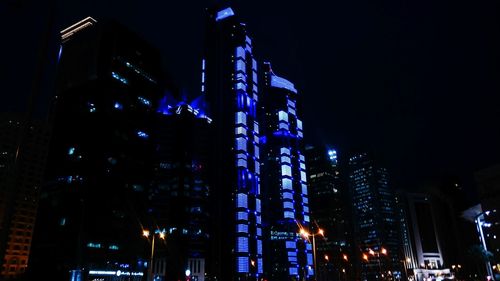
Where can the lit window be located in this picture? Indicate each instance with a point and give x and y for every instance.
(240, 52)
(286, 170)
(287, 184)
(142, 134)
(283, 116)
(242, 264)
(242, 200)
(241, 118)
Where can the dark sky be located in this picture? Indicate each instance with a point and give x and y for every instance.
(415, 81)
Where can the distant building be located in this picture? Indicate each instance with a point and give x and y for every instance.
(229, 86)
(327, 199)
(424, 258)
(284, 181)
(94, 202)
(23, 152)
(376, 223)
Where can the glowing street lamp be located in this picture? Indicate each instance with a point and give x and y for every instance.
(304, 233)
(146, 234)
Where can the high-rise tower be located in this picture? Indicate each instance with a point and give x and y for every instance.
(286, 210)
(93, 204)
(327, 197)
(229, 84)
(376, 223)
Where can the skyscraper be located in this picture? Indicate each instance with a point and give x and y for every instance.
(376, 224)
(328, 200)
(286, 211)
(94, 202)
(23, 152)
(229, 85)
(179, 195)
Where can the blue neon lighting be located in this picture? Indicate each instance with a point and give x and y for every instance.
(242, 216)
(287, 195)
(242, 228)
(242, 264)
(222, 14)
(242, 244)
(288, 205)
(240, 52)
(293, 271)
(242, 200)
(287, 184)
(119, 78)
(290, 245)
(288, 215)
(260, 265)
(142, 134)
(240, 65)
(60, 53)
(286, 170)
(259, 247)
(279, 82)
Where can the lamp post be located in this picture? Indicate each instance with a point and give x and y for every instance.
(306, 235)
(382, 251)
(479, 219)
(146, 234)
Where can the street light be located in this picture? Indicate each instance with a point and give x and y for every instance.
(382, 251)
(146, 233)
(479, 219)
(306, 235)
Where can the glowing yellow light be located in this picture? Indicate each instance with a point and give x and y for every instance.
(145, 233)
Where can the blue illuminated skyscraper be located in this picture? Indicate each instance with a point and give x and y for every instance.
(288, 255)
(229, 84)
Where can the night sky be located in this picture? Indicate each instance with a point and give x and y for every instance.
(415, 81)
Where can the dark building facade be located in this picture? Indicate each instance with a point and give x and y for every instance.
(423, 257)
(286, 211)
(328, 196)
(23, 152)
(229, 86)
(94, 202)
(376, 223)
(179, 195)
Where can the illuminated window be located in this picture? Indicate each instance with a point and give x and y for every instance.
(241, 118)
(242, 244)
(285, 150)
(259, 247)
(142, 134)
(228, 12)
(240, 86)
(299, 124)
(242, 264)
(240, 52)
(288, 215)
(287, 195)
(288, 205)
(286, 170)
(260, 266)
(287, 184)
(304, 189)
(285, 159)
(242, 216)
(293, 271)
(243, 228)
(240, 65)
(257, 205)
(303, 176)
(283, 116)
(241, 144)
(242, 200)
(290, 245)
